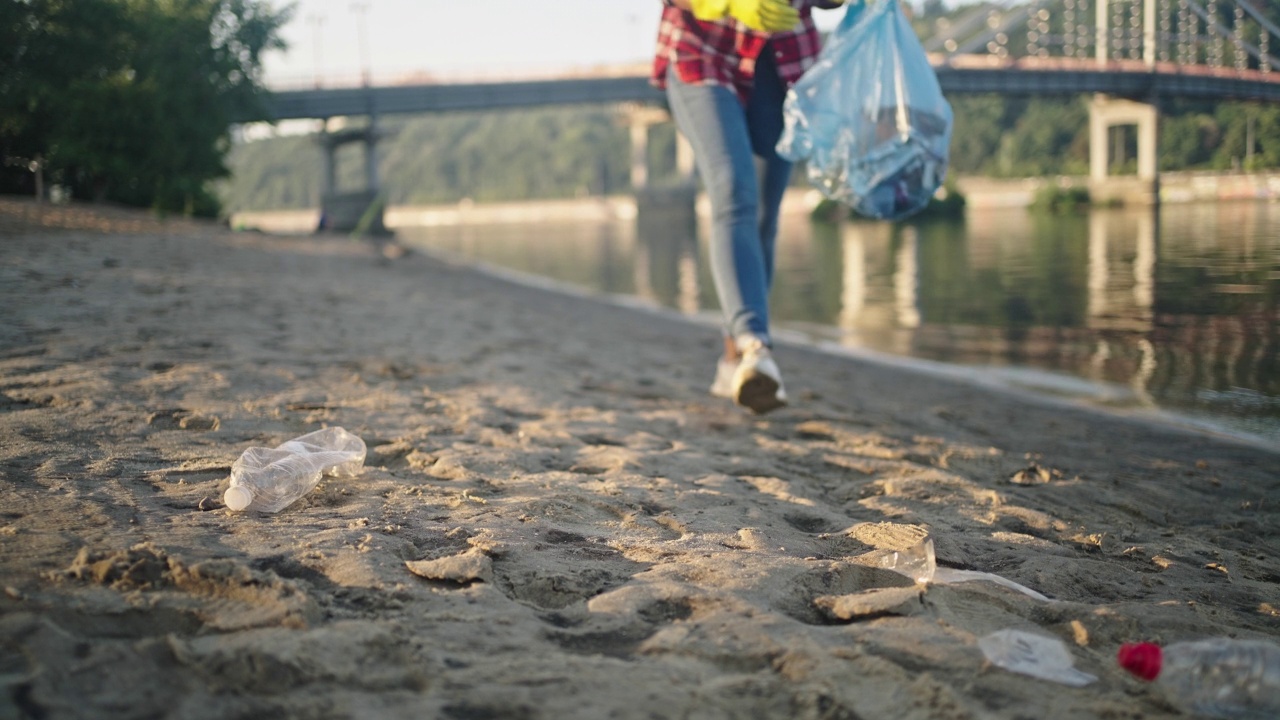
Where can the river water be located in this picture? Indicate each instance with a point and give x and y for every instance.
(1172, 311)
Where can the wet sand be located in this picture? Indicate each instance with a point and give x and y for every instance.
(555, 519)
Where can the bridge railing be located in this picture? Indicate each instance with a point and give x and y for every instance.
(1220, 49)
(1229, 34)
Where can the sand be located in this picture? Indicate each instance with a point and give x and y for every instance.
(555, 520)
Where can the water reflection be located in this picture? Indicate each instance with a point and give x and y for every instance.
(667, 265)
(1173, 308)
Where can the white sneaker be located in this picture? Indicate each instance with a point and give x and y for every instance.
(723, 384)
(757, 382)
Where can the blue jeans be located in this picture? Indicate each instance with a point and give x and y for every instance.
(725, 136)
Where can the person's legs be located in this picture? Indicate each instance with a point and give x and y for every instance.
(715, 123)
(765, 125)
(717, 127)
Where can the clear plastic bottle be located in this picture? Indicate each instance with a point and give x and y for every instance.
(1219, 677)
(269, 480)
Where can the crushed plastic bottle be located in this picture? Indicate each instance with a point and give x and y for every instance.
(1034, 655)
(269, 480)
(1218, 677)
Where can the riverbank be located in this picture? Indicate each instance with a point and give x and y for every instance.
(555, 520)
(979, 192)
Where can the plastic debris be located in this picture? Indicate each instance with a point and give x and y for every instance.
(919, 562)
(869, 118)
(1040, 657)
(1217, 677)
(269, 480)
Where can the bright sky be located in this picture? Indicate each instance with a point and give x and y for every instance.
(452, 37)
(463, 37)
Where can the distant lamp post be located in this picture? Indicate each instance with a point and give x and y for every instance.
(361, 9)
(317, 22)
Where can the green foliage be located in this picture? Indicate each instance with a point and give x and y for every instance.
(1013, 137)
(530, 155)
(1241, 125)
(1044, 138)
(1188, 141)
(561, 153)
(131, 100)
(1217, 136)
(1058, 199)
(980, 122)
(50, 51)
(829, 211)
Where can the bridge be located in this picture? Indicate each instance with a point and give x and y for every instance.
(1128, 54)
(957, 75)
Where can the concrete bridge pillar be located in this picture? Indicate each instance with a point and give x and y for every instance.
(641, 118)
(371, 156)
(330, 165)
(664, 204)
(1106, 112)
(359, 209)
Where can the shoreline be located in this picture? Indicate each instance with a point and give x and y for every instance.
(554, 520)
(980, 193)
(1035, 388)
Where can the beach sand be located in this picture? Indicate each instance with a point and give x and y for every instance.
(555, 519)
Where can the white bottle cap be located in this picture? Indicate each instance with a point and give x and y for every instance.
(237, 497)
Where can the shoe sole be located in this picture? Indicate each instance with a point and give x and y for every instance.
(759, 394)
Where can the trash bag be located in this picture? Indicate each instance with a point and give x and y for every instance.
(869, 116)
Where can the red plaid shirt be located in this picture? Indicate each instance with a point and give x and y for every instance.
(724, 52)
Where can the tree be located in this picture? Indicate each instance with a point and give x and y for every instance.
(50, 49)
(132, 100)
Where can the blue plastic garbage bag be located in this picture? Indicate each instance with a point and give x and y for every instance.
(869, 117)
